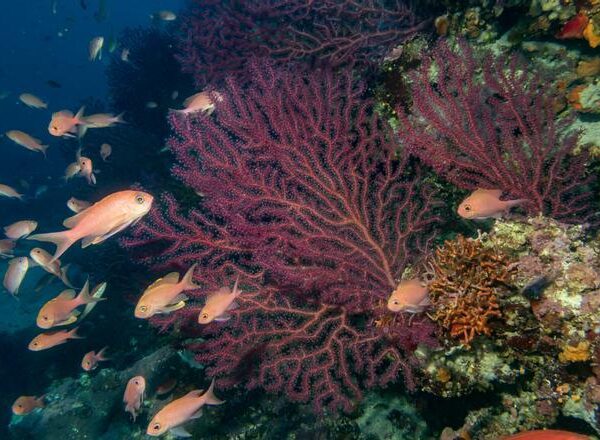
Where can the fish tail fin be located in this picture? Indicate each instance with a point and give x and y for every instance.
(119, 118)
(85, 297)
(40, 401)
(236, 291)
(101, 356)
(73, 334)
(63, 241)
(43, 149)
(209, 396)
(63, 275)
(187, 281)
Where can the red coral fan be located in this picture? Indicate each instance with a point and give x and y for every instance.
(306, 199)
(466, 281)
(490, 123)
(221, 36)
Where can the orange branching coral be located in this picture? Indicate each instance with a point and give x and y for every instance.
(466, 280)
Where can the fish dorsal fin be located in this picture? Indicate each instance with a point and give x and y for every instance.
(194, 393)
(72, 221)
(190, 99)
(66, 294)
(492, 192)
(222, 291)
(171, 278)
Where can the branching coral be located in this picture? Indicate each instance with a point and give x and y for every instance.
(466, 282)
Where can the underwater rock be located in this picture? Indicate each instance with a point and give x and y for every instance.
(85, 407)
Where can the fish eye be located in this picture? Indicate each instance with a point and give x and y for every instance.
(136, 382)
(143, 308)
(45, 318)
(395, 302)
(35, 344)
(467, 208)
(156, 426)
(139, 199)
(205, 316)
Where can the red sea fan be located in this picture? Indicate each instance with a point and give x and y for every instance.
(307, 200)
(490, 123)
(220, 37)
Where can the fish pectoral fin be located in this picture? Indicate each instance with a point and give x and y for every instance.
(99, 239)
(181, 297)
(197, 414)
(232, 306)
(222, 318)
(180, 431)
(70, 320)
(173, 307)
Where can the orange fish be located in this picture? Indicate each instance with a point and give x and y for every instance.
(134, 395)
(15, 273)
(26, 404)
(86, 169)
(23, 139)
(485, 203)
(77, 205)
(410, 296)
(218, 304)
(32, 101)
(165, 294)
(103, 120)
(547, 434)
(90, 360)
(6, 248)
(201, 102)
(44, 341)
(180, 411)
(43, 258)
(62, 310)
(105, 151)
(10, 192)
(20, 229)
(72, 170)
(63, 123)
(100, 221)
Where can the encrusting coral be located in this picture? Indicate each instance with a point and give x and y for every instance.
(466, 281)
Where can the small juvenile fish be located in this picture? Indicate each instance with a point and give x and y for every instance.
(100, 221)
(105, 151)
(15, 273)
(103, 120)
(42, 258)
(44, 341)
(200, 102)
(62, 310)
(10, 192)
(6, 248)
(64, 123)
(166, 15)
(77, 205)
(32, 101)
(151, 104)
(165, 294)
(218, 304)
(134, 395)
(410, 296)
(27, 141)
(86, 169)
(26, 404)
(20, 229)
(485, 203)
(125, 55)
(72, 170)
(90, 359)
(186, 408)
(95, 48)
